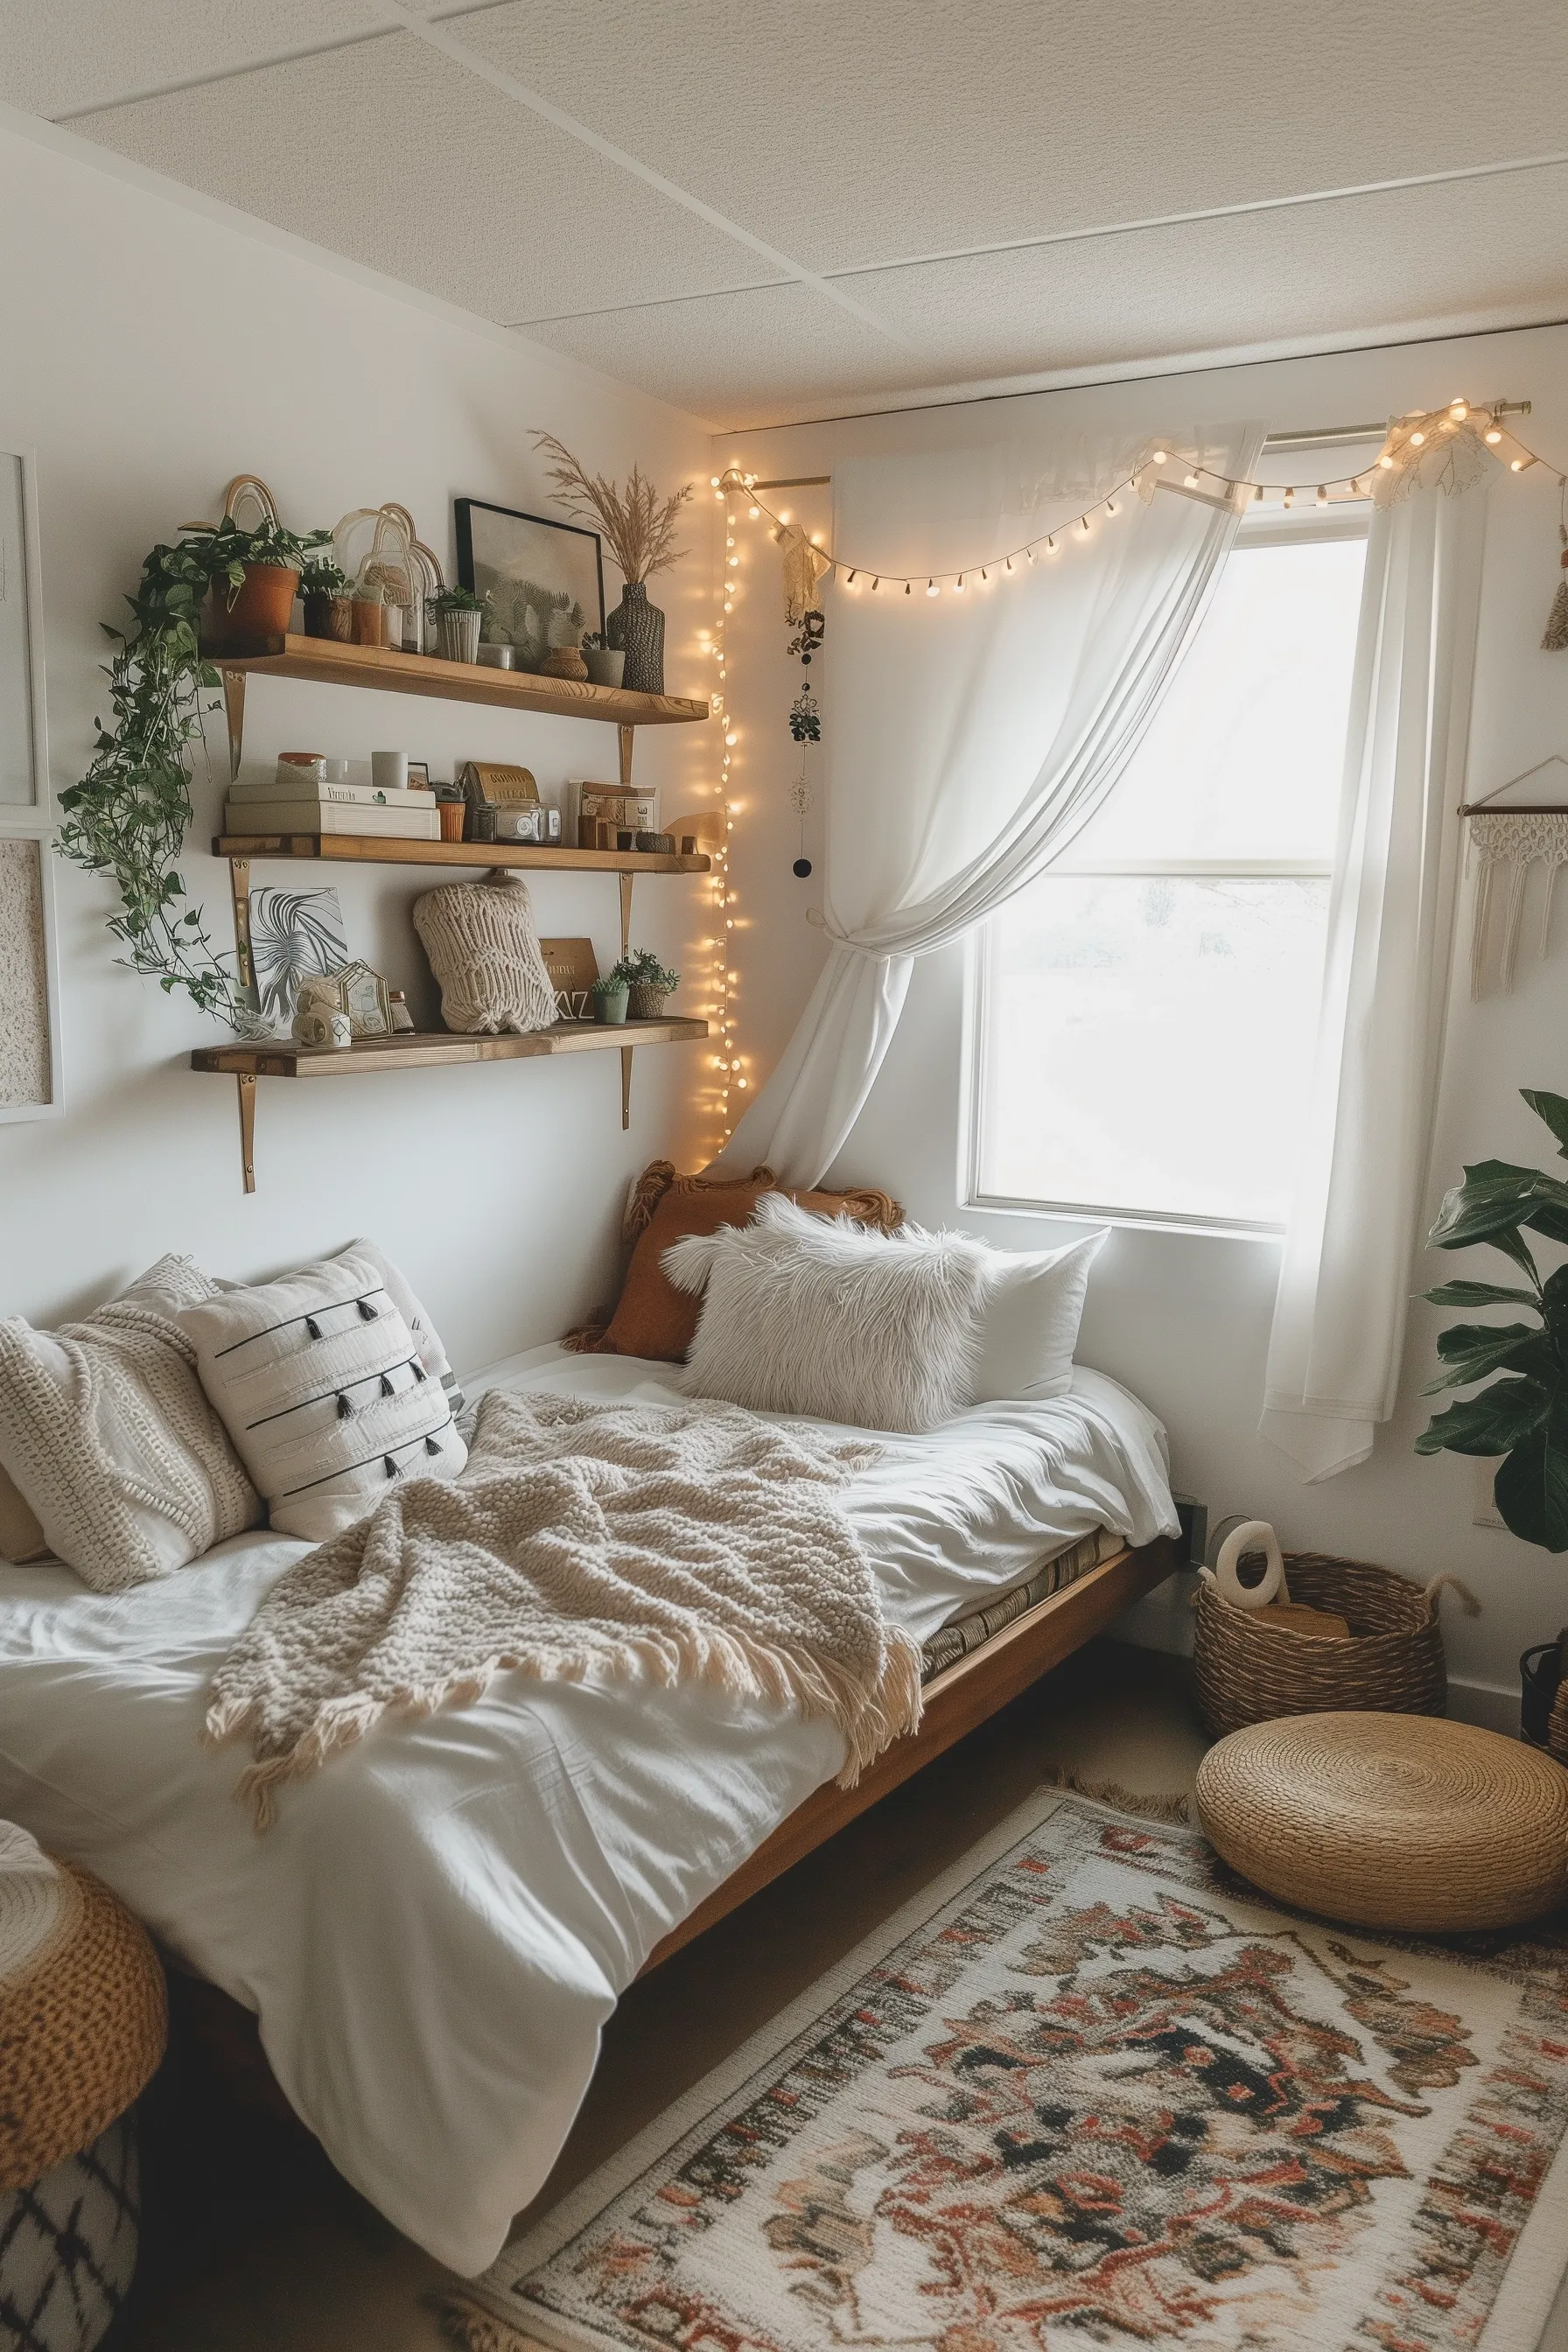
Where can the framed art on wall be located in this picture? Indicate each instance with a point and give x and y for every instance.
(542, 583)
(29, 950)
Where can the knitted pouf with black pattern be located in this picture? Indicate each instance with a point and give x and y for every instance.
(67, 2247)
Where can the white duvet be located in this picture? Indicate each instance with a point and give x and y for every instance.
(440, 1922)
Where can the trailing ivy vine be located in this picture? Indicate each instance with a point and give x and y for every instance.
(130, 815)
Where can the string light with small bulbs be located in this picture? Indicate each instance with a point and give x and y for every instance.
(728, 1064)
(1201, 481)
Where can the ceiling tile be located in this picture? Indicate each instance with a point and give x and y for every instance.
(893, 127)
(738, 358)
(60, 56)
(1408, 258)
(391, 154)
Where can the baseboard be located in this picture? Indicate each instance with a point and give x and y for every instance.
(1484, 1703)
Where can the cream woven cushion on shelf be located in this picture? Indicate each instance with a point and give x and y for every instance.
(484, 949)
(110, 1441)
(320, 1385)
(1390, 1820)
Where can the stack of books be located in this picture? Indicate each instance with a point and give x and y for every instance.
(297, 801)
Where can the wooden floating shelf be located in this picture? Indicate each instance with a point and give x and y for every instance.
(426, 1049)
(380, 849)
(326, 662)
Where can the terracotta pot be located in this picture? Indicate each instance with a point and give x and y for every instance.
(451, 813)
(370, 622)
(259, 615)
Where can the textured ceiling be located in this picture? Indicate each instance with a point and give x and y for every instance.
(765, 213)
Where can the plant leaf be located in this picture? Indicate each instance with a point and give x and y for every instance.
(1501, 1417)
(1471, 1351)
(1553, 1109)
(1532, 1485)
(1478, 1294)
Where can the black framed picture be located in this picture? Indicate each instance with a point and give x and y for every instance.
(542, 583)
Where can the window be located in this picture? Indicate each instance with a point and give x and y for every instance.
(1147, 1009)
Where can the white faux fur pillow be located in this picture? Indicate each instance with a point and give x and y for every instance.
(320, 1385)
(801, 1314)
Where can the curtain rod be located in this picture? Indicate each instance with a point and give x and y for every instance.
(1318, 436)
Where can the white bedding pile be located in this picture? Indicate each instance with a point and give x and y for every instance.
(439, 1924)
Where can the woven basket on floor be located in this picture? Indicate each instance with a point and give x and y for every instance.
(1250, 1671)
(1557, 1729)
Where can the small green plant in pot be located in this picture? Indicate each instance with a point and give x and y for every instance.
(650, 982)
(459, 613)
(612, 992)
(328, 596)
(1523, 1417)
(254, 574)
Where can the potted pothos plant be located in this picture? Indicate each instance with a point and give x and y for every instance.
(129, 815)
(650, 982)
(328, 594)
(1523, 1415)
(254, 575)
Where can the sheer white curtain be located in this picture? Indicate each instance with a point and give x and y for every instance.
(1344, 1282)
(968, 737)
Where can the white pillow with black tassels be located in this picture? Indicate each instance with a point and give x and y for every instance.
(320, 1383)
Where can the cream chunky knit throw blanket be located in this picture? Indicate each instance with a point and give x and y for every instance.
(686, 1544)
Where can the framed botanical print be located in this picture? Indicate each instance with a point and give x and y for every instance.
(29, 949)
(542, 583)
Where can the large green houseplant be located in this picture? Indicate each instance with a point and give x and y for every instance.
(130, 815)
(1524, 1416)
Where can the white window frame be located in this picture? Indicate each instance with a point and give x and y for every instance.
(1272, 527)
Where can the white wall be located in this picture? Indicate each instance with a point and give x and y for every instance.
(1184, 1319)
(151, 348)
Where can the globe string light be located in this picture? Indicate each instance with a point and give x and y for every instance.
(727, 1067)
(1203, 481)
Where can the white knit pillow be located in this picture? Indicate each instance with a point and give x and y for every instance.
(811, 1315)
(484, 949)
(320, 1384)
(110, 1442)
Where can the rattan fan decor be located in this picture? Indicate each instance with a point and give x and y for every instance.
(1390, 1820)
(1250, 1671)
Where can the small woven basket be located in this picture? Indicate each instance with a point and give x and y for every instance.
(1250, 1671)
(1557, 1729)
(645, 1004)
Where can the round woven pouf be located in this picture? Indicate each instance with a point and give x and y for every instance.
(82, 2025)
(1390, 1820)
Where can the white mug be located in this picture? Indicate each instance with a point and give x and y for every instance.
(389, 771)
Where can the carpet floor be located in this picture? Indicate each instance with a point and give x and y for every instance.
(1090, 2085)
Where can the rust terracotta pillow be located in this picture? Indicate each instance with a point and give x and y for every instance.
(653, 1318)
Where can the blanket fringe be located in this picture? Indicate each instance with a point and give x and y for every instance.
(869, 1718)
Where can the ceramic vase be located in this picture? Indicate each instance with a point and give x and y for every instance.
(636, 628)
(605, 666)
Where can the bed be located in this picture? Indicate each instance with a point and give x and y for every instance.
(436, 1929)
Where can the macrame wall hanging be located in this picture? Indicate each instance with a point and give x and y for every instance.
(1506, 839)
(804, 566)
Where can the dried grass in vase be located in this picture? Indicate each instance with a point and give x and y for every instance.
(638, 526)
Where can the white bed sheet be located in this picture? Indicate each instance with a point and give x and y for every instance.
(438, 1924)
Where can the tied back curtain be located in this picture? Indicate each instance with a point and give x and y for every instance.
(970, 736)
(1339, 1319)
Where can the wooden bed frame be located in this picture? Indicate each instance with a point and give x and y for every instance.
(958, 1700)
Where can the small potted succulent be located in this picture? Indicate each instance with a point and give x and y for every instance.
(607, 664)
(612, 990)
(254, 577)
(329, 601)
(650, 982)
(458, 613)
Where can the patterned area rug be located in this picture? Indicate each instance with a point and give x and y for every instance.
(1092, 2091)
